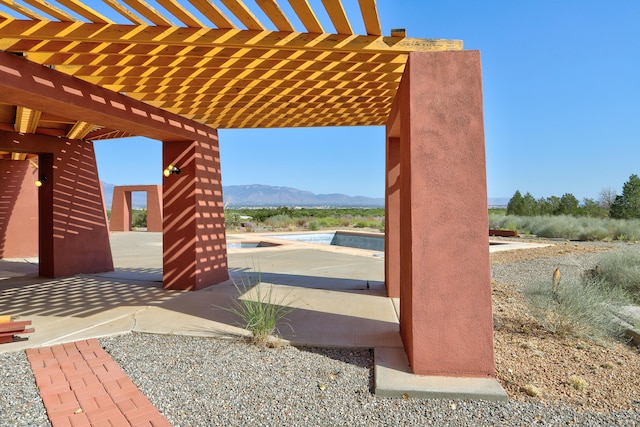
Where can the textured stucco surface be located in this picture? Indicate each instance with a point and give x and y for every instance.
(445, 294)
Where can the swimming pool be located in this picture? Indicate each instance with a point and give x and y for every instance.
(370, 241)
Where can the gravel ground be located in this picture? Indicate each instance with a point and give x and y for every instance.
(20, 403)
(208, 382)
(197, 381)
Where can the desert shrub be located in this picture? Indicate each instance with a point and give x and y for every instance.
(629, 228)
(260, 311)
(557, 227)
(314, 226)
(138, 218)
(231, 219)
(369, 223)
(621, 270)
(279, 221)
(569, 227)
(328, 222)
(581, 308)
(578, 383)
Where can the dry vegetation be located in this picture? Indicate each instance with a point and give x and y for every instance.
(533, 363)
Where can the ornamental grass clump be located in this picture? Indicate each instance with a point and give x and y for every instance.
(621, 270)
(261, 311)
(578, 383)
(580, 308)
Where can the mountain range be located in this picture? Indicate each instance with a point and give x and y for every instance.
(256, 195)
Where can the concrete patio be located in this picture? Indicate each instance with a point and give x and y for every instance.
(337, 295)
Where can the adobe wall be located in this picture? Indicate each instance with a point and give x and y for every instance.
(18, 209)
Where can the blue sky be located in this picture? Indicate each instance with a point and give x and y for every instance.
(561, 84)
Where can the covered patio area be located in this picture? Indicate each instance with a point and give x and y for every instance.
(70, 78)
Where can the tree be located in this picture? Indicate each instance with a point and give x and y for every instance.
(618, 209)
(568, 204)
(549, 205)
(592, 208)
(516, 204)
(606, 197)
(628, 204)
(529, 205)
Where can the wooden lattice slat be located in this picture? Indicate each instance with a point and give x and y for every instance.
(181, 13)
(212, 13)
(148, 12)
(242, 12)
(125, 12)
(20, 9)
(370, 17)
(83, 10)
(306, 15)
(338, 16)
(273, 12)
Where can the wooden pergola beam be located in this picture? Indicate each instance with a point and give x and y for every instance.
(69, 33)
(338, 16)
(306, 15)
(41, 88)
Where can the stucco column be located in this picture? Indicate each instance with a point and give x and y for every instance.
(194, 243)
(120, 210)
(18, 209)
(74, 237)
(445, 300)
(392, 218)
(154, 208)
(121, 207)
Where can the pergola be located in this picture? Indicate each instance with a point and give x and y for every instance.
(177, 71)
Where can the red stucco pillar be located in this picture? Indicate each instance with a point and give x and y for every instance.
(445, 298)
(74, 237)
(392, 218)
(121, 207)
(154, 208)
(18, 209)
(120, 210)
(194, 243)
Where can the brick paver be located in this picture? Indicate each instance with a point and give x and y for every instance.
(81, 385)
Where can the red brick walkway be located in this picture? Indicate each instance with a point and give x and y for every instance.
(81, 385)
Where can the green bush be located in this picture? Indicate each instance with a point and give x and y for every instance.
(369, 224)
(329, 222)
(569, 227)
(139, 218)
(231, 219)
(279, 221)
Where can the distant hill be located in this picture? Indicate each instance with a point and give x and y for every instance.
(265, 195)
(498, 202)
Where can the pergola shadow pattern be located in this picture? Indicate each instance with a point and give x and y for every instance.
(77, 296)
